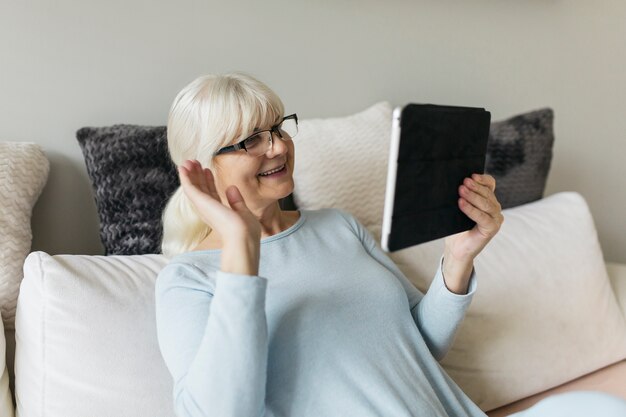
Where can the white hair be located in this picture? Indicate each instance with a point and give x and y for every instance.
(210, 112)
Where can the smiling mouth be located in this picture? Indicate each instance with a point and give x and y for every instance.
(272, 171)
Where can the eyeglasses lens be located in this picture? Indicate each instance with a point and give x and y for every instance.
(290, 127)
(258, 144)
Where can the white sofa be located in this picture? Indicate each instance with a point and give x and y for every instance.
(86, 340)
(549, 315)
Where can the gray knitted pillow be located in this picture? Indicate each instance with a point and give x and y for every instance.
(132, 177)
(519, 153)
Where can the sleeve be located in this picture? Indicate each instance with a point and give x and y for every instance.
(439, 313)
(214, 340)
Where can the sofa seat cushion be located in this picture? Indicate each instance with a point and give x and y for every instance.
(86, 341)
(544, 312)
(610, 379)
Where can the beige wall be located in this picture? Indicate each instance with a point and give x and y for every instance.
(67, 64)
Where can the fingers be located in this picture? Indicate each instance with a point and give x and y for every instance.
(194, 177)
(210, 183)
(486, 180)
(235, 199)
(484, 185)
(489, 204)
(479, 203)
(183, 174)
(199, 176)
(479, 190)
(487, 224)
(188, 171)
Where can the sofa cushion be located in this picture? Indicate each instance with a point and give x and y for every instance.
(519, 154)
(6, 401)
(23, 173)
(132, 177)
(544, 316)
(86, 341)
(544, 312)
(341, 162)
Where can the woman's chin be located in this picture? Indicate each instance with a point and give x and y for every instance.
(288, 189)
(278, 187)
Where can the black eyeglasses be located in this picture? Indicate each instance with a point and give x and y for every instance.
(260, 142)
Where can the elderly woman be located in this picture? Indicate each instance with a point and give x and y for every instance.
(265, 312)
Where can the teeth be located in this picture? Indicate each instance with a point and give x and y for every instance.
(272, 171)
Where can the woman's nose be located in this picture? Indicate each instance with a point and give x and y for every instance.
(278, 147)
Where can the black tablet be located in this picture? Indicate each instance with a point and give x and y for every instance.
(433, 148)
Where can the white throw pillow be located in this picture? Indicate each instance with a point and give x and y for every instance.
(86, 341)
(6, 402)
(332, 153)
(544, 312)
(23, 174)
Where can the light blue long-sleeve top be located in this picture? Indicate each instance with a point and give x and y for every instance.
(330, 327)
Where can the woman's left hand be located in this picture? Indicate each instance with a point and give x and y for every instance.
(478, 201)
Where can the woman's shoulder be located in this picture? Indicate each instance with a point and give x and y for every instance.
(328, 211)
(190, 269)
(327, 214)
(333, 217)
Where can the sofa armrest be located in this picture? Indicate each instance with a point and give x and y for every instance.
(617, 273)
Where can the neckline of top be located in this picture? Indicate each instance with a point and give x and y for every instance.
(268, 239)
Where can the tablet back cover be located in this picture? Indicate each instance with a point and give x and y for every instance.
(439, 147)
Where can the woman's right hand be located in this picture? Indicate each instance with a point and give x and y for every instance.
(237, 226)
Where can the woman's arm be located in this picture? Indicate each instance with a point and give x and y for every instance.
(441, 311)
(214, 341)
(478, 201)
(238, 228)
